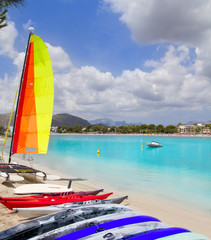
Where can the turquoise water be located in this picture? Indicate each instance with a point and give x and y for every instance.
(180, 170)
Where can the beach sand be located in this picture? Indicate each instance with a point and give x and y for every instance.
(171, 213)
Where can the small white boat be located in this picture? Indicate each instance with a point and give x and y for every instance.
(154, 144)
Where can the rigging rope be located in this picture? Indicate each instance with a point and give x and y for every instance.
(5, 139)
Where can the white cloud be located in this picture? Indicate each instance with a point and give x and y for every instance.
(60, 59)
(179, 22)
(28, 24)
(152, 21)
(7, 39)
(90, 93)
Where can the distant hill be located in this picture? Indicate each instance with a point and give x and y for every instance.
(110, 123)
(202, 122)
(4, 119)
(65, 119)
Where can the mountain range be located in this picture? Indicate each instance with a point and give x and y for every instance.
(65, 119)
(62, 119)
(110, 123)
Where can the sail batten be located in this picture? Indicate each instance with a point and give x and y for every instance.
(35, 105)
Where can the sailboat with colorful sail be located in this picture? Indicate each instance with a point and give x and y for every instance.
(34, 108)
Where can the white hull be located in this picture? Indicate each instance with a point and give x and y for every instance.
(12, 177)
(39, 177)
(41, 188)
(33, 177)
(69, 228)
(41, 211)
(3, 177)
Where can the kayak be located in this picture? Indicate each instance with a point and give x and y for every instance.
(53, 222)
(50, 195)
(40, 211)
(127, 230)
(40, 202)
(106, 226)
(71, 228)
(159, 233)
(39, 188)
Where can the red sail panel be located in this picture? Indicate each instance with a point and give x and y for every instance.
(25, 132)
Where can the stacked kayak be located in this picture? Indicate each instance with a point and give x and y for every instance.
(103, 221)
(50, 200)
(40, 211)
(49, 195)
(72, 219)
(86, 216)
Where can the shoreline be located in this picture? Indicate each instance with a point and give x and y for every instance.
(134, 134)
(169, 212)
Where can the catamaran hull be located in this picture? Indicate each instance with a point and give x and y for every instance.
(34, 177)
(39, 177)
(12, 177)
(11, 172)
(3, 177)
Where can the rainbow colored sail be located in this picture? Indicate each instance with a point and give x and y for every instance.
(35, 105)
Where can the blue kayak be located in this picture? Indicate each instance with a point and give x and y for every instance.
(156, 234)
(108, 225)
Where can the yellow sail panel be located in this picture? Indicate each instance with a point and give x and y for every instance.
(44, 92)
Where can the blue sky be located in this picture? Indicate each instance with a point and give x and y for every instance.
(133, 60)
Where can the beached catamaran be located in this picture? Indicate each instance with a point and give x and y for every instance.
(34, 109)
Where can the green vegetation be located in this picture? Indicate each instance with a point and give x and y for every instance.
(144, 129)
(2, 130)
(4, 4)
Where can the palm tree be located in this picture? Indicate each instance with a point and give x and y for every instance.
(4, 4)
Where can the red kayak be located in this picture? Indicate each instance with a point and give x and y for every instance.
(41, 202)
(50, 195)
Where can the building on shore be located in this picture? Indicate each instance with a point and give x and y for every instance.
(197, 128)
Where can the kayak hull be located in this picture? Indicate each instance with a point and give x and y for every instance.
(40, 211)
(41, 202)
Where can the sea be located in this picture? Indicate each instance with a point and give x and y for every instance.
(180, 171)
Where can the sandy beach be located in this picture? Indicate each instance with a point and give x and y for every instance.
(171, 213)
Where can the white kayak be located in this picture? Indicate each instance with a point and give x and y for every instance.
(41, 188)
(77, 226)
(40, 211)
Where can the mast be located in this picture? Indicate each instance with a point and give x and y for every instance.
(31, 29)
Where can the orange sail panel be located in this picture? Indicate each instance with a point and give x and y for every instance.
(35, 106)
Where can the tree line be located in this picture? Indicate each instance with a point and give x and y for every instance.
(144, 128)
